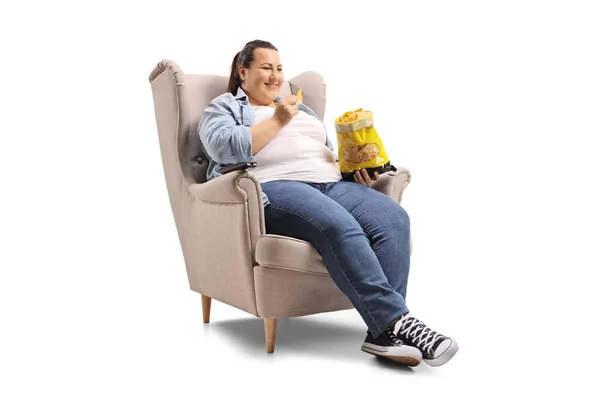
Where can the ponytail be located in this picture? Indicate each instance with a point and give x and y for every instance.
(234, 77)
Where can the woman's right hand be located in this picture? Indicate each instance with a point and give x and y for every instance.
(286, 110)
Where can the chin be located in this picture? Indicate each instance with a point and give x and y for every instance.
(270, 97)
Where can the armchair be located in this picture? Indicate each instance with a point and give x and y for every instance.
(228, 255)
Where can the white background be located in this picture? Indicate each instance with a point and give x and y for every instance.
(493, 107)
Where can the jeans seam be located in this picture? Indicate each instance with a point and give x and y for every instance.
(337, 261)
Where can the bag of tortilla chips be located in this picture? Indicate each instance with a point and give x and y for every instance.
(359, 145)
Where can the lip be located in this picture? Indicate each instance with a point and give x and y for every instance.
(272, 86)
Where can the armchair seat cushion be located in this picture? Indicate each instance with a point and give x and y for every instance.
(284, 252)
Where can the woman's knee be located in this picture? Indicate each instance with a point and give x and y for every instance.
(396, 218)
(401, 216)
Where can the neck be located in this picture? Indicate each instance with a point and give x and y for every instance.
(254, 102)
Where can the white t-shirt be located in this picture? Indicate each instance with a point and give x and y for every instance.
(298, 152)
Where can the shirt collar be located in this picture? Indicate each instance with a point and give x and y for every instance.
(241, 95)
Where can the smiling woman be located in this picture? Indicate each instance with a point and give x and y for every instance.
(362, 235)
(258, 71)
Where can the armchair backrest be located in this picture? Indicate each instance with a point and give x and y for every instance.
(180, 100)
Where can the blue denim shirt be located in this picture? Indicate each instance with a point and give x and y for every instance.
(225, 132)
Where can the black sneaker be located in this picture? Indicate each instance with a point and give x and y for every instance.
(437, 349)
(389, 346)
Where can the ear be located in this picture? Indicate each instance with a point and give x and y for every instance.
(242, 72)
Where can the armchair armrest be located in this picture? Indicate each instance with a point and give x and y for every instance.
(234, 187)
(393, 183)
(238, 187)
(225, 220)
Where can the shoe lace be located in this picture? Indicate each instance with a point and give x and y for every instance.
(422, 336)
(392, 337)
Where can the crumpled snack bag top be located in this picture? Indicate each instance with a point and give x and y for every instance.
(359, 144)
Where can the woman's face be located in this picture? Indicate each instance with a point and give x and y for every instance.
(262, 81)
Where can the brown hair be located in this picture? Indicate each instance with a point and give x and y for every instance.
(244, 58)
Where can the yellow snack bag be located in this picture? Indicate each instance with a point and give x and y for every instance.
(359, 145)
(299, 96)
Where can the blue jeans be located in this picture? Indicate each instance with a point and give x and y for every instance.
(362, 235)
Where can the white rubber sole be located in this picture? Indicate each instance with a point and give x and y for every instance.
(445, 356)
(406, 355)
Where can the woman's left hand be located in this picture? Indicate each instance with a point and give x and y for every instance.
(363, 177)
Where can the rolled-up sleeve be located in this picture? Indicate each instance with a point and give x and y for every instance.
(225, 141)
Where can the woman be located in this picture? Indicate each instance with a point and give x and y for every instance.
(361, 234)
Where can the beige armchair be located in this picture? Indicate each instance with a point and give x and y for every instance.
(228, 255)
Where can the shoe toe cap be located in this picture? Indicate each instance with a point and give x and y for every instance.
(448, 344)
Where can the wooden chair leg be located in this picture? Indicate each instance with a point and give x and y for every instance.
(206, 308)
(270, 330)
